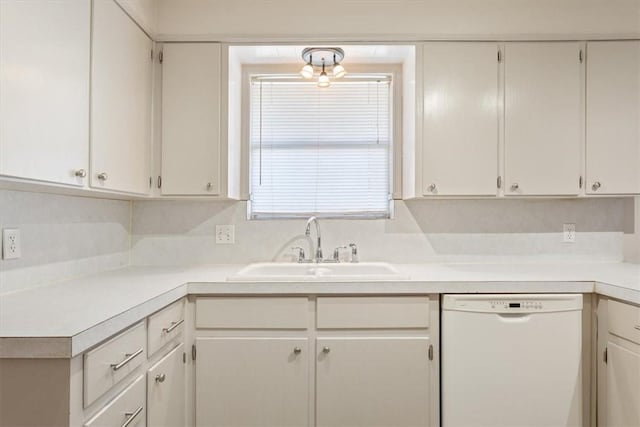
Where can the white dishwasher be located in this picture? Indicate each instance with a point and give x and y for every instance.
(512, 360)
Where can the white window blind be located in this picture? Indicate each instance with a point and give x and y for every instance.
(320, 151)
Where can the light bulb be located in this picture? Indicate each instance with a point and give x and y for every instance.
(323, 80)
(339, 71)
(307, 71)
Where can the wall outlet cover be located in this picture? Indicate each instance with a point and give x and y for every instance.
(569, 233)
(11, 243)
(225, 234)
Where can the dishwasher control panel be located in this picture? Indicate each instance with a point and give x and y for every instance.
(512, 303)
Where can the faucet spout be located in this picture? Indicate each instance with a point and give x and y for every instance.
(318, 252)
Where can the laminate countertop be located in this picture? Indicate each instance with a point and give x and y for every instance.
(64, 319)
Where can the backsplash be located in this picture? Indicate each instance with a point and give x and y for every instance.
(183, 232)
(62, 237)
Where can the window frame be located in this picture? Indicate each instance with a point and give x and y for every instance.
(395, 154)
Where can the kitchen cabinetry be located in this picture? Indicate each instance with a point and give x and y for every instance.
(613, 117)
(543, 118)
(252, 381)
(166, 390)
(191, 146)
(619, 379)
(44, 90)
(121, 82)
(375, 361)
(460, 119)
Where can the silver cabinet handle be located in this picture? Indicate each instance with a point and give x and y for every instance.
(131, 416)
(103, 176)
(173, 326)
(596, 186)
(209, 186)
(128, 358)
(160, 378)
(326, 350)
(81, 173)
(637, 327)
(432, 188)
(297, 350)
(515, 186)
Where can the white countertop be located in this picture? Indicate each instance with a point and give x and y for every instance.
(67, 318)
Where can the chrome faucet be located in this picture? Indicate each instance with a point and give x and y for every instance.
(318, 255)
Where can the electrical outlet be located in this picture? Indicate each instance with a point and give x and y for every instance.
(10, 243)
(225, 234)
(569, 233)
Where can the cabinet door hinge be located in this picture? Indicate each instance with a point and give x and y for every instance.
(431, 352)
(159, 181)
(151, 55)
(161, 56)
(605, 356)
(499, 182)
(499, 55)
(184, 357)
(150, 182)
(580, 182)
(581, 56)
(193, 352)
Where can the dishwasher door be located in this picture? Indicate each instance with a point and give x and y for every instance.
(512, 360)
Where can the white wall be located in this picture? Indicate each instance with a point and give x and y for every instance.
(183, 232)
(226, 20)
(62, 237)
(632, 235)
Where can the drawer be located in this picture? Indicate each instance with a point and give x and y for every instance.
(165, 325)
(372, 312)
(112, 361)
(252, 313)
(127, 407)
(624, 320)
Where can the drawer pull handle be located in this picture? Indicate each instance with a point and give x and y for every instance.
(173, 326)
(326, 350)
(160, 378)
(132, 416)
(297, 350)
(128, 358)
(637, 327)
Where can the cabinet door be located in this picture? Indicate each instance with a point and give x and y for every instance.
(460, 125)
(543, 118)
(166, 391)
(613, 117)
(44, 89)
(623, 387)
(120, 101)
(252, 382)
(191, 119)
(372, 382)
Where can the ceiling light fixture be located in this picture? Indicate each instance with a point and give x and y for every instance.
(321, 58)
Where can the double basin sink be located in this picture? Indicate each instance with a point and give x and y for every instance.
(308, 272)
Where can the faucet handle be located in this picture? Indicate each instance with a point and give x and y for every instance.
(301, 254)
(336, 253)
(354, 252)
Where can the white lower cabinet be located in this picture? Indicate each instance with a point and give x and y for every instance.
(623, 386)
(166, 390)
(127, 409)
(373, 381)
(252, 382)
(355, 361)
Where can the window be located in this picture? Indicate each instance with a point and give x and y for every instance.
(320, 151)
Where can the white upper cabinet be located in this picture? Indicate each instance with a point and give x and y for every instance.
(543, 118)
(44, 89)
(613, 118)
(121, 101)
(191, 119)
(460, 119)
